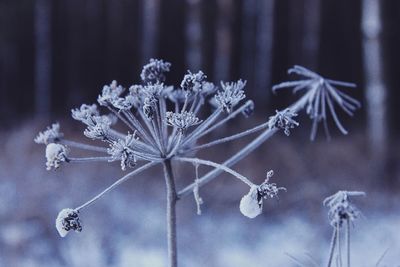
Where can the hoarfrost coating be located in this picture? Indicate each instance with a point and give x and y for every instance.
(153, 134)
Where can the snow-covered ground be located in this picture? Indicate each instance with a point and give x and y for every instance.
(127, 227)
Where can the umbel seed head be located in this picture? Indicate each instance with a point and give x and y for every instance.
(67, 220)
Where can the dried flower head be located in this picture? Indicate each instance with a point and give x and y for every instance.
(122, 150)
(55, 155)
(85, 112)
(193, 82)
(50, 135)
(340, 207)
(182, 120)
(154, 71)
(110, 93)
(252, 203)
(321, 96)
(267, 189)
(67, 220)
(125, 103)
(230, 95)
(283, 120)
(98, 127)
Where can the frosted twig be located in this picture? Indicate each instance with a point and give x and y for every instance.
(217, 166)
(115, 184)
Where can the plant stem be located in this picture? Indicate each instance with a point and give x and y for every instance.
(339, 246)
(348, 241)
(171, 213)
(332, 248)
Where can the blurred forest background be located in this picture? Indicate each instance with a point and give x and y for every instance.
(56, 55)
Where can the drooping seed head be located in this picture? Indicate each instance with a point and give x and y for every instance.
(55, 155)
(67, 220)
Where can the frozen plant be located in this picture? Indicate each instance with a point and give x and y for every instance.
(321, 95)
(156, 135)
(341, 210)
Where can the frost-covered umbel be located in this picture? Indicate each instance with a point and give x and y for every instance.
(341, 209)
(252, 203)
(153, 123)
(321, 95)
(67, 220)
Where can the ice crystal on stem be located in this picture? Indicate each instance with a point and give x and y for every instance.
(50, 135)
(55, 155)
(283, 120)
(122, 150)
(230, 95)
(183, 120)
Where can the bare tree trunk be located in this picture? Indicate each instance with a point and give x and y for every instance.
(304, 32)
(223, 40)
(311, 34)
(151, 15)
(193, 33)
(264, 45)
(373, 72)
(248, 36)
(42, 30)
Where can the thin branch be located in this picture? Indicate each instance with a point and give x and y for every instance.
(118, 182)
(83, 146)
(88, 159)
(348, 241)
(217, 166)
(231, 138)
(198, 131)
(229, 117)
(332, 247)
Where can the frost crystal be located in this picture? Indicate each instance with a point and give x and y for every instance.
(122, 150)
(55, 155)
(230, 95)
(340, 207)
(110, 94)
(148, 107)
(267, 189)
(283, 120)
(85, 112)
(50, 135)
(183, 120)
(250, 204)
(154, 71)
(68, 219)
(125, 103)
(193, 82)
(98, 127)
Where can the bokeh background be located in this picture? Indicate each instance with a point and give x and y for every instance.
(56, 55)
